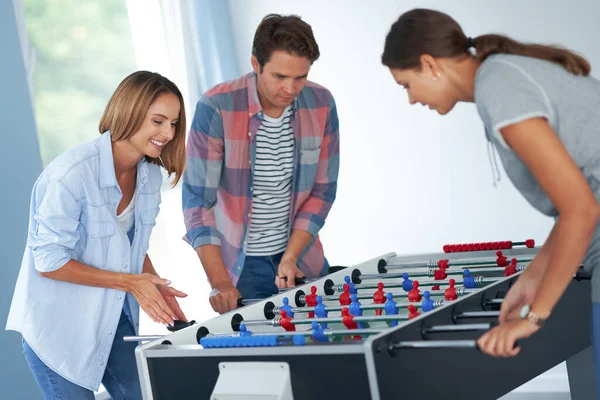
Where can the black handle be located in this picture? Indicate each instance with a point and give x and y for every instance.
(582, 275)
(179, 324)
(336, 268)
(299, 281)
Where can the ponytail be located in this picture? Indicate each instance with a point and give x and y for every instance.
(422, 31)
(487, 45)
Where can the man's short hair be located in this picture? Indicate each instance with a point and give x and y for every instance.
(287, 33)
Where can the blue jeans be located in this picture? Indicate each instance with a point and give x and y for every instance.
(120, 377)
(257, 280)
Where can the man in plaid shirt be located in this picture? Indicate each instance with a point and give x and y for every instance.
(261, 177)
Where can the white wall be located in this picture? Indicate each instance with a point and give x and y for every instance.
(411, 180)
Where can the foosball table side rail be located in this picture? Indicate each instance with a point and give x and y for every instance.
(422, 360)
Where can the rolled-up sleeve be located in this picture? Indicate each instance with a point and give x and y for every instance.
(54, 236)
(205, 151)
(313, 212)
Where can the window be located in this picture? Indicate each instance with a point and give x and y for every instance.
(83, 51)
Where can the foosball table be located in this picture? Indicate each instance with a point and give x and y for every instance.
(393, 327)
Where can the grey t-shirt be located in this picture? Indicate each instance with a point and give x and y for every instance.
(510, 89)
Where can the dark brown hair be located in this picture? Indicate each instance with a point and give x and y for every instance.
(288, 33)
(128, 107)
(422, 31)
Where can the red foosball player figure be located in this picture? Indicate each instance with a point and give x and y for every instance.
(512, 268)
(436, 287)
(348, 320)
(286, 322)
(345, 296)
(501, 260)
(379, 297)
(440, 274)
(412, 312)
(414, 295)
(450, 293)
(311, 300)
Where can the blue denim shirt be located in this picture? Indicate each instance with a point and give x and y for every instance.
(73, 216)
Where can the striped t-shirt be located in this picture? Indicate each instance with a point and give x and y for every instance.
(272, 187)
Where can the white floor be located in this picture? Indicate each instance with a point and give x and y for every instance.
(551, 385)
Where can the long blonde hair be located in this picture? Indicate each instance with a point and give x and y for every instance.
(127, 108)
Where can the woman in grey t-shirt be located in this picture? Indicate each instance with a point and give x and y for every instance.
(541, 111)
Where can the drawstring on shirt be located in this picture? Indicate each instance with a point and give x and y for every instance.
(493, 164)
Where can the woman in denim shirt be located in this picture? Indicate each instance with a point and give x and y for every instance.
(85, 270)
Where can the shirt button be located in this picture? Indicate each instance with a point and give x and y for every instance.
(239, 267)
(249, 134)
(109, 333)
(251, 188)
(249, 114)
(119, 298)
(101, 362)
(125, 266)
(249, 215)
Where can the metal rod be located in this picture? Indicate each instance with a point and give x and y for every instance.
(479, 280)
(434, 264)
(436, 344)
(436, 303)
(388, 275)
(477, 314)
(142, 338)
(430, 272)
(262, 322)
(342, 332)
(462, 291)
(493, 302)
(331, 320)
(457, 328)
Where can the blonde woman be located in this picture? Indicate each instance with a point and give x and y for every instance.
(85, 270)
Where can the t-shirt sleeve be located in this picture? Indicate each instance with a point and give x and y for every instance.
(506, 94)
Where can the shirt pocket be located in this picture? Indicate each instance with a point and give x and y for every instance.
(99, 231)
(148, 222)
(309, 161)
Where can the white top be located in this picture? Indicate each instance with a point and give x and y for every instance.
(126, 218)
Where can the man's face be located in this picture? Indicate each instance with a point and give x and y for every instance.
(281, 79)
